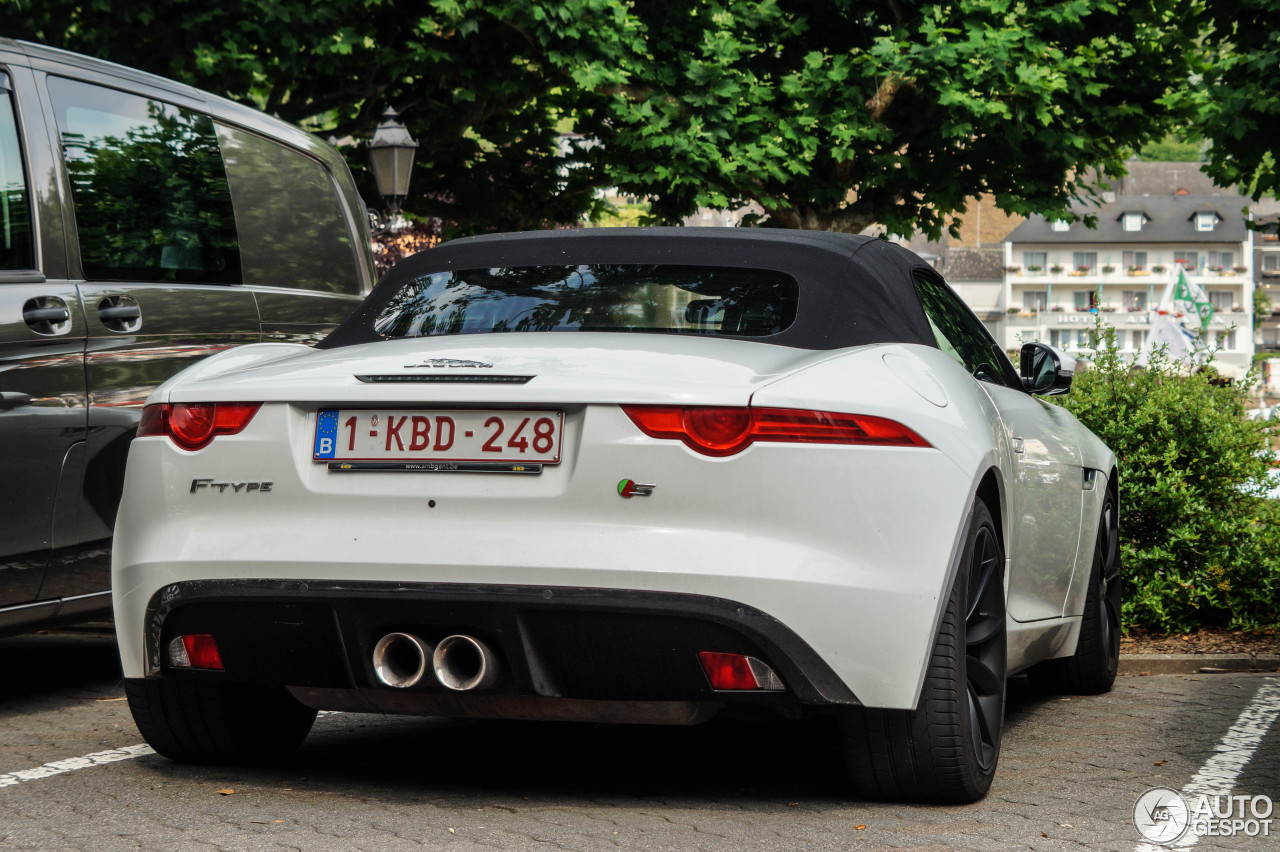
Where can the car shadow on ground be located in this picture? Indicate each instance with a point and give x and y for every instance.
(404, 758)
(63, 662)
(764, 759)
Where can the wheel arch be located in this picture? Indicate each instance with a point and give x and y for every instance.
(989, 487)
(991, 491)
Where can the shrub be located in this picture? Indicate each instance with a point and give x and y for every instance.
(1198, 546)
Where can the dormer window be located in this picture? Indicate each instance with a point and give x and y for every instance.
(1061, 225)
(1134, 221)
(1206, 221)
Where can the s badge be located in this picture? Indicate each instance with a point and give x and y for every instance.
(629, 489)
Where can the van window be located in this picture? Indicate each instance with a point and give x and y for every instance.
(293, 228)
(15, 215)
(148, 187)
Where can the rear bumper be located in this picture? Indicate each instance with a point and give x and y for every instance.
(562, 644)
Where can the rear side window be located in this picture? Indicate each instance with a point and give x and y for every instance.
(293, 227)
(669, 299)
(962, 336)
(150, 193)
(15, 214)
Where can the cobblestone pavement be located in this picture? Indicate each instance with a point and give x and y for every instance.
(1070, 772)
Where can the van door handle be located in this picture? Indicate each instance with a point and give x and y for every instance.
(47, 316)
(13, 399)
(51, 315)
(120, 312)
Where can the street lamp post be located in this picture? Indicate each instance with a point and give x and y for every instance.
(391, 152)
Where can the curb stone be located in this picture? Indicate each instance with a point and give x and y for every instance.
(1154, 664)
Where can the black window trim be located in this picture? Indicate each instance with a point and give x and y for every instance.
(34, 274)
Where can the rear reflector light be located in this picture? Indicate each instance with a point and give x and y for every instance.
(193, 425)
(195, 651)
(725, 430)
(738, 672)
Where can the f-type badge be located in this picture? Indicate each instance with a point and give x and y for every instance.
(629, 489)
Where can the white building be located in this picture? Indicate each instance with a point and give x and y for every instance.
(1059, 276)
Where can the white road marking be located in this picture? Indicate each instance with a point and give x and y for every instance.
(98, 758)
(1217, 777)
(71, 764)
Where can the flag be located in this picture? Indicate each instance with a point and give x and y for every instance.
(1187, 298)
(1182, 298)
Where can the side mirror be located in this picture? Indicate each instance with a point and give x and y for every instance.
(1045, 370)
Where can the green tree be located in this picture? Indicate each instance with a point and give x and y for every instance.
(1261, 306)
(829, 114)
(838, 115)
(1198, 545)
(1236, 102)
(1171, 149)
(481, 86)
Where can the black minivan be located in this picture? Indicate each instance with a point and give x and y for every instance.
(144, 224)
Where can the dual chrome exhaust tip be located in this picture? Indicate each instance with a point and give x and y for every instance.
(461, 663)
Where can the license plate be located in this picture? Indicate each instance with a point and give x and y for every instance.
(438, 435)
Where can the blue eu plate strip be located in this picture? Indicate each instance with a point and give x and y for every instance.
(326, 433)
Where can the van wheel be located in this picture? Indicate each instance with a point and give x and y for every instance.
(192, 720)
(945, 751)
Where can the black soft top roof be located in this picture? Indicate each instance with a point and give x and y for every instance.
(854, 290)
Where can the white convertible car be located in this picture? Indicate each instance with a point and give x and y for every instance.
(626, 476)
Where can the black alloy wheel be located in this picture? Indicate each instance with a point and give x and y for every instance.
(984, 631)
(946, 749)
(1108, 580)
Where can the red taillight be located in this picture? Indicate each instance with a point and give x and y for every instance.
(195, 651)
(728, 671)
(738, 672)
(192, 425)
(723, 431)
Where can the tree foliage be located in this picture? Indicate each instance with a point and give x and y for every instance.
(827, 113)
(837, 115)
(481, 86)
(1236, 102)
(1198, 545)
(1171, 149)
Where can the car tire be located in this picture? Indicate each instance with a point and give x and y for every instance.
(945, 751)
(1091, 670)
(191, 720)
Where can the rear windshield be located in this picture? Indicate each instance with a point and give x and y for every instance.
(606, 297)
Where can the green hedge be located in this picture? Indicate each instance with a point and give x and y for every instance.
(1199, 547)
